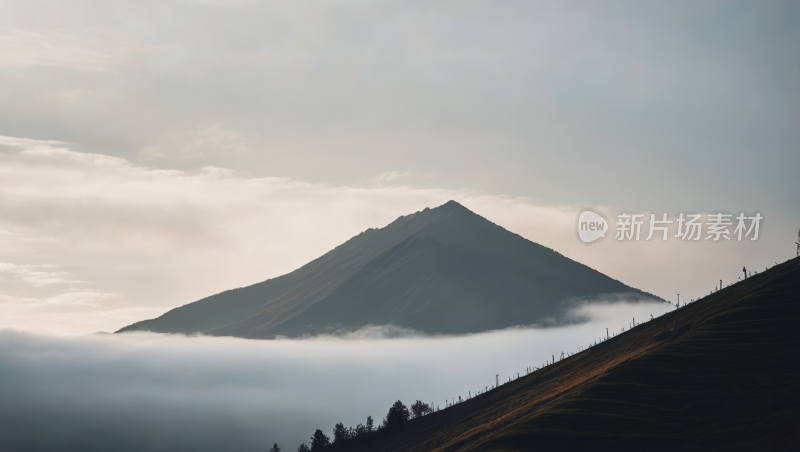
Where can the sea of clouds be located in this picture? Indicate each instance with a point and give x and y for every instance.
(143, 391)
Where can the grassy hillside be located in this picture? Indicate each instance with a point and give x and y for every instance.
(722, 373)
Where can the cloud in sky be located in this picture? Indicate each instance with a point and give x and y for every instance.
(83, 51)
(140, 391)
(531, 99)
(202, 145)
(35, 275)
(110, 243)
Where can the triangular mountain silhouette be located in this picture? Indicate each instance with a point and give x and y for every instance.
(444, 270)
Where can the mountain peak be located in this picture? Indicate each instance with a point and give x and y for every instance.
(451, 205)
(442, 270)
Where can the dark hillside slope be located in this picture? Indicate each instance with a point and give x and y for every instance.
(722, 373)
(442, 270)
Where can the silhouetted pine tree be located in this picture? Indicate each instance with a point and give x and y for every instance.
(398, 415)
(340, 434)
(275, 448)
(319, 441)
(360, 430)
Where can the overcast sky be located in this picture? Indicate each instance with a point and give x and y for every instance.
(154, 153)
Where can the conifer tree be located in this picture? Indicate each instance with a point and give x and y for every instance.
(319, 441)
(339, 434)
(398, 415)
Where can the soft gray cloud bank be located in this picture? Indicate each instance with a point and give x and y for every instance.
(160, 392)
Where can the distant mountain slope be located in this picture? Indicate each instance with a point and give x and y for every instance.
(442, 270)
(721, 374)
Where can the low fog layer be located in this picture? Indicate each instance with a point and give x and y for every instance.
(158, 392)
